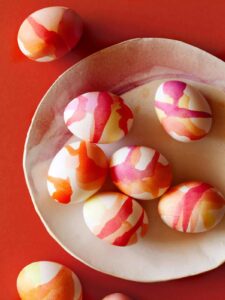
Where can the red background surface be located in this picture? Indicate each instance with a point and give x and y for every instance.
(23, 238)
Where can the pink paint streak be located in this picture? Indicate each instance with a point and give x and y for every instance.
(101, 114)
(175, 89)
(174, 111)
(123, 240)
(70, 28)
(51, 38)
(126, 172)
(115, 223)
(188, 203)
(79, 105)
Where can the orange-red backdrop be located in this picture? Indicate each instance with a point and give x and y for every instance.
(23, 83)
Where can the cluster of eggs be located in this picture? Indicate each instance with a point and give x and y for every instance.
(78, 171)
(46, 280)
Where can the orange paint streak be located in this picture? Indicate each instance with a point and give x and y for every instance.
(212, 202)
(183, 127)
(135, 156)
(161, 179)
(61, 287)
(63, 190)
(133, 239)
(89, 175)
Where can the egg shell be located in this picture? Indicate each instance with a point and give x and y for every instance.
(115, 218)
(192, 207)
(98, 117)
(140, 172)
(117, 296)
(44, 280)
(183, 111)
(49, 33)
(76, 172)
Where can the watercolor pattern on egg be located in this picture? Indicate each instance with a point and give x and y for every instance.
(140, 172)
(76, 172)
(192, 207)
(183, 111)
(115, 218)
(48, 280)
(49, 33)
(98, 117)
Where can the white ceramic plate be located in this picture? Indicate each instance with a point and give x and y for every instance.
(134, 69)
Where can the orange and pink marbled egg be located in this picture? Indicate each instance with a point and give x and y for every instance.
(49, 33)
(183, 111)
(192, 207)
(44, 280)
(76, 172)
(115, 218)
(140, 172)
(98, 117)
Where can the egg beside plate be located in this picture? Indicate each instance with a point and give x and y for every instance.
(49, 33)
(116, 296)
(48, 280)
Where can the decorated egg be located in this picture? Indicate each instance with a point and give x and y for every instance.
(115, 218)
(116, 296)
(140, 172)
(45, 280)
(192, 207)
(183, 111)
(49, 33)
(76, 172)
(98, 117)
